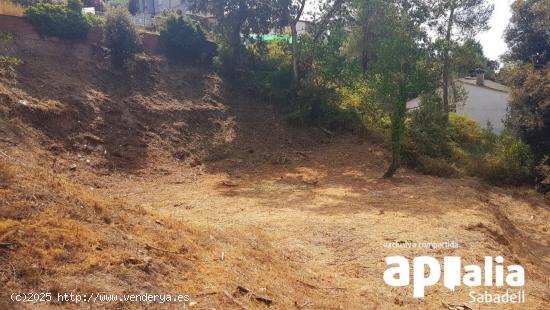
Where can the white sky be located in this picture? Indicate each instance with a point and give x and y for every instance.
(493, 40)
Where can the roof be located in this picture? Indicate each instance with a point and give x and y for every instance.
(488, 84)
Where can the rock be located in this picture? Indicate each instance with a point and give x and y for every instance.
(72, 167)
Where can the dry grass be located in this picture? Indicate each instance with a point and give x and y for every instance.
(6, 175)
(10, 8)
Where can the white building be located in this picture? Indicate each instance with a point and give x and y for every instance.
(486, 102)
(156, 7)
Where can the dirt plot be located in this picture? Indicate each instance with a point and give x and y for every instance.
(165, 180)
(330, 216)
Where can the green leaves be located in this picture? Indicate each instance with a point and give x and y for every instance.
(58, 20)
(121, 36)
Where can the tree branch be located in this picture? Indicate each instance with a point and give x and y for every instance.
(335, 7)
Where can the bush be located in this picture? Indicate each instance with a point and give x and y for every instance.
(121, 36)
(8, 63)
(75, 5)
(427, 133)
(512, 162)
(94, 20)
(184, 41)
(57, 20)
(464, 146)
(268, 73)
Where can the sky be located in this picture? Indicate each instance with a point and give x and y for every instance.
(493, 40)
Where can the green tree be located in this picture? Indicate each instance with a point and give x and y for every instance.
(121, 36)
(399, 63)
(184, 41)
(453, 20)
(528, 34)
(468, 56)
(238, 20)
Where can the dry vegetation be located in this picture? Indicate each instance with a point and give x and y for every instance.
(10, 8)
(166, 182)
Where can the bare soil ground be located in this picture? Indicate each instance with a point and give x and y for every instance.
(164, 180)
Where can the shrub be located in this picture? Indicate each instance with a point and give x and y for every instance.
(94, 20)
(427, 133)
(467, 134)
(121, 36)
(269, 71)
(184, 41)
(58, 20)
(512, 162)
(75, 5)
(7, 63)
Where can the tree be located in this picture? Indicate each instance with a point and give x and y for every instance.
(528, 76)
(184, 41)
(295, 13)
(528, 34)
(238, 19)
(121, 36)
(468, 56)
(455, 19)
(399, 64)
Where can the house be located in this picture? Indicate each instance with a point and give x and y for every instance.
(486, 102)
(156, 7)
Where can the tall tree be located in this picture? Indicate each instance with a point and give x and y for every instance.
(455, 20)
(399, 60)
(295, 10)
(528, 34)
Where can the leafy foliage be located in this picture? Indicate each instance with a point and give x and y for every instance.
(184, 41)
(58, 20)
(121, 36)
(528, 35)
(7, 63)
(511, 163)
(237, 20)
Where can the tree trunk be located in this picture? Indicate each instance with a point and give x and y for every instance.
(398, 129)
(295, 57)
(295, 73)
(447, 65)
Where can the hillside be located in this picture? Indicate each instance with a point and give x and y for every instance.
(165, 180)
